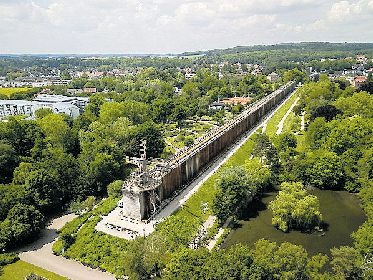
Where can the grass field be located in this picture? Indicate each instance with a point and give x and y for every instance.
(21, 269)
(9, 91)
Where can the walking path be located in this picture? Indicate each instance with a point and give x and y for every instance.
(302, 121)
(39, 253)
(202, 232)
(281, 123)
(213, 242)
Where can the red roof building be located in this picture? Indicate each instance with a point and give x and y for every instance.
(236, 100)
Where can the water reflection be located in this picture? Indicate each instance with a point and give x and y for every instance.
(341, 212)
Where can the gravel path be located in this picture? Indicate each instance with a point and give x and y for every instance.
(39, 253)
(281, 123)
(302, 121)
(213, 242)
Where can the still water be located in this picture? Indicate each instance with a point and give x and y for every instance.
(341, 212)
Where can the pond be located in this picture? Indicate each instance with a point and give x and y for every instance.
(341, 212)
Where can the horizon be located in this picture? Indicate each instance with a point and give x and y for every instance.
(184, 53)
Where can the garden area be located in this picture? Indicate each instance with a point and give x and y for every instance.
(21, 270)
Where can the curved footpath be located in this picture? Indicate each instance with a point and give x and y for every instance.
(39, 253)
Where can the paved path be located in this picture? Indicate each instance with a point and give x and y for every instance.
(39, 253)
(302, 121)
(281, 123)
(213, 242)
(117, 225)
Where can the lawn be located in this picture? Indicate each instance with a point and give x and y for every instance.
(21, 269)
(9, 91)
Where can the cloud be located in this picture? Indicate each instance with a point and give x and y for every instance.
(175, 26)
(346, 10)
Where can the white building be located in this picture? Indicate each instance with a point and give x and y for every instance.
(10, 108)
(79, 102)
(71, 106)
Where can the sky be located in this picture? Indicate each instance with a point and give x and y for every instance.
(176, 26)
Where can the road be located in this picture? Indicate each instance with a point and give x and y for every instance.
(39, 253)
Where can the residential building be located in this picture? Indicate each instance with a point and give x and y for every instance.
(358, 81)
(236, 100)
(273, 77)
(90, 90)
(73, 91)
(91, 75)
(361, 59)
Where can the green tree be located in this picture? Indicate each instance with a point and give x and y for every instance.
(234, 191)
(95, 103)
(233, 263)
(22, 223)
(179, 114)
(153, 135)
(346, 263)
(328, 112)
(323, 169)
(147, 257)
(8, 162)
(348, 133)
(41, 113)
(162, 109)
(57, 131)
(51, 180)
(114, 189)
(191, 90)
(293, 208)
(358, 104)
(137, 112)
(111, 111)
(286, 261)
(295, 75)
(78, 83)
(260, 176)
(20, 134)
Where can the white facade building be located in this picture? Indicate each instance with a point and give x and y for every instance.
(69, 106)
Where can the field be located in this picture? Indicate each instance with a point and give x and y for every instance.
(21, 269)
(9, 91)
